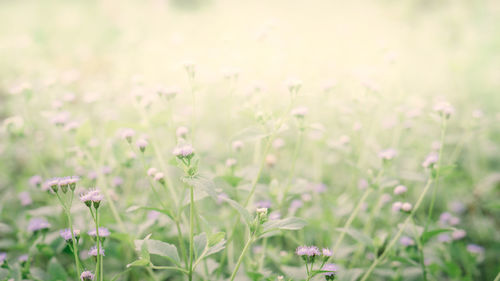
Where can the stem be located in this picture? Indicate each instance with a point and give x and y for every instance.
(242, 255)
(191, 232)
(170, 268)
(394, 240)
(431, 206)
(350, 220)
(498, 277)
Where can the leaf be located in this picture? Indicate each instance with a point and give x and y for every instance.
(203, 183)
(135, 208)
(56, 271)
(160, 248)
(139, 263)
(291, 223)
(358, 236)
(200, 244)
(243, 212)
(216, 248)
(426, 236)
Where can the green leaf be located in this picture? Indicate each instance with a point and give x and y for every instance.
(243, 212)
(202, 183)
(139, 263)
(160, 248)
(358, 236)
(216, 248)
(291, 223)
(56, 271)
(215, 238)
(426, 236)
(200, 244)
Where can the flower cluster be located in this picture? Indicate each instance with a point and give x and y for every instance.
(309, 255)
(92, 197)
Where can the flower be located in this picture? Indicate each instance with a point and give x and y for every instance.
(396, 206)
(103, 232)
(128, 134)
(444, 109)
(93, 251)
(312, 251)
(263, 204)
(475, 249)
(430, 160)
(159, 177)
(326, 252)
(300, 112)
(25, 198)
(406, 207)
(185, 151)
(3, 257)
(237, 145)
(444, 238)
(152, 171)
(278, 143)
(301, 251)
(231, 162)
(36, 224)
(388, 154)
(332, 270)
(86, 276)
(35, 181)
(271, 160)
(91, 196)
(182, 132)
(22, 258)
(66, 234)
(400, 189)
(293, 85)
(458, 234)
(141, 144)
(406, 241)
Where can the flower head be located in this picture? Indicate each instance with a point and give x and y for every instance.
(400, 189)
(103, 232)
(430, 160)
(300, 112)
(87, 276)
(388, 154)
(237, 145)
(182, 132)
(128, 134)
(93, 251)
(301, 251)
(141, 144)
(326, 252)
(36, 224)
(185, 151)
(332, 270)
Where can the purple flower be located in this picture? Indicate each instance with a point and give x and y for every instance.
(103, 232)
(22, 258)
(237, 145)
(387, 154)
(36, 224)
(430, 160)
(458, 234)
(332, 270)
(300, 112)
(312, 251)
(444, 238)
(475, 249)
(35, 181)
(66, 234)
(3, 257)
(184, 151)
(263, 204)
(141, 144)
(117, 181)
(326, 252)
(93, 251)
(301, 251)
(406, 241)
(87, 276)
(25, 198)
(182, 132)
(400, 189)
(128, 134)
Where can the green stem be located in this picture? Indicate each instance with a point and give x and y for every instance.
(242, 255)
(170, 268)
(395, 239)
(191, 232)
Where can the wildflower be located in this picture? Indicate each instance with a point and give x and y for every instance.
(37, 224)
(117, 181)
(430, 160)
(385, 198)
(141, 144)
(388, 154)
(444, 218)
(159, 177)
(72, 180)
(93, 251)
(237, 145)
(332, 270)
(185, 151)
(300, 112)
(21, 259)
(278, 143)
(66, 234)
(458, 234)
(400, 189)
(406, 241)
(326, 252)
(301, 251)
(182, 132)
(92, 196)
(106, 170)
(293, 85)
(261, 214)
(406, 207)
(362, 184)
(152, 172)
(53, 184)
(152, 215)
(128, 134)
(475, 249)
(35, 181)
(25, 198)
(263, 204)
(3, 257)
(312, 252)
(396, 206)
(444, 238)
(444, 109)
(271, 160)
(169, 93)
(103, 232)
(231, 162)
(87, 276)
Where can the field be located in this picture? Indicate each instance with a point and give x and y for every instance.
(249, 140)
